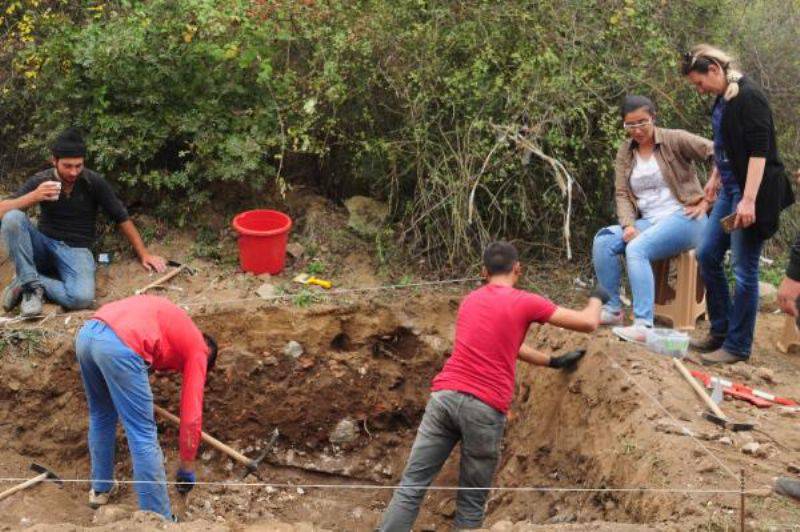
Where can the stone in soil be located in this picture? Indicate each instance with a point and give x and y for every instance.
(266, 291)
(345, 431)
(293, 349)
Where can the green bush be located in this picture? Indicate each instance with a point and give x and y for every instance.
(398, 99)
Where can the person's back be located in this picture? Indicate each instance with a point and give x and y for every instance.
(157, 329)
(471, 395)
(115, 349)
(491, 325)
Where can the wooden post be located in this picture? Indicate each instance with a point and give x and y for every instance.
(741, 500)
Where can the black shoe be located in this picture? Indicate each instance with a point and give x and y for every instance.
(707, 344)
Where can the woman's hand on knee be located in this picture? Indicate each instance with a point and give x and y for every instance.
(629, 233)
(697, 210)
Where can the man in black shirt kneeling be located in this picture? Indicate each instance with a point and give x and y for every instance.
(54, 260)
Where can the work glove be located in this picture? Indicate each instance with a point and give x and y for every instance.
(567, 360)
(186, 480)
(600, 293)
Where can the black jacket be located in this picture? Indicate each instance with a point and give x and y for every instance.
(748, 131)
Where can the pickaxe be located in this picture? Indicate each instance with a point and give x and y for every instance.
(44, 474)
(177, 268)
(251, 465)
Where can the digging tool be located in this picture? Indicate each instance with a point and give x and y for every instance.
(726, 424)
(178, 268)
(716, 416)
(44, 474)
(176, 264)
(699, 390)
(304, 278)
(251, 465)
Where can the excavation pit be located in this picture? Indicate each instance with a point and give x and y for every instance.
(347, 404)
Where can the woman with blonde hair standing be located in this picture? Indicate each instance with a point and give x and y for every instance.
(749, 189)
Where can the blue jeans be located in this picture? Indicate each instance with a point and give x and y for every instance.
(71, 279)
(665, 238)
(116, 384)
(449, 417)
(735, 320)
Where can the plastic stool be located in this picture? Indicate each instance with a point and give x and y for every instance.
(684, 303)
(790, 336)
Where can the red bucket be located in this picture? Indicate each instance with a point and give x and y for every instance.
(263, 235)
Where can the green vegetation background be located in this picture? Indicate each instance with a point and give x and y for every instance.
(186, 102)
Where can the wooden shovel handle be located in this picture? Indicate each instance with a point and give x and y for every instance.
(212, 441)
(161, 280)
(27, 484)
(698, 389)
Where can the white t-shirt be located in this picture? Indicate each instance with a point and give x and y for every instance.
(653, 196)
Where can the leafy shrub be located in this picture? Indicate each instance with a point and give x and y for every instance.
(399, 99)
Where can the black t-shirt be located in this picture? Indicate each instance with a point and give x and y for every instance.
(73, 218)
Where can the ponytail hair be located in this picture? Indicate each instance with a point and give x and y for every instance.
(702, 56)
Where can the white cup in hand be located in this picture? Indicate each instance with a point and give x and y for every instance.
(54, 190)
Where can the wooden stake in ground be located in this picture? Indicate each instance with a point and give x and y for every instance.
(741, 500)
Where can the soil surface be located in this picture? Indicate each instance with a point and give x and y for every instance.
(617, 444)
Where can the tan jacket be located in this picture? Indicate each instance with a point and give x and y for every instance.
(675, 152)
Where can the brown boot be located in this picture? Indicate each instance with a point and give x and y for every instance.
(720, 356)
(707, 344)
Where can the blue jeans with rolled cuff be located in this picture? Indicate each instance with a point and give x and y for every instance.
(117, 387)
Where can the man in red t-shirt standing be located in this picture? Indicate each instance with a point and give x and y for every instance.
(471, 395)
(115, 350)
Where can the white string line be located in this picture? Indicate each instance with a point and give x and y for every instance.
(392, 487)
(685, 430)
(336, 291)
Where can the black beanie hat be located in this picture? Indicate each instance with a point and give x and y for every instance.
(69, 144)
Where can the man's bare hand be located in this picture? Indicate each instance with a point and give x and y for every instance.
(152, 263)
(47, 191)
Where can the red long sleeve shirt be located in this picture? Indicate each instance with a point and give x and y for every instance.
(168, 340)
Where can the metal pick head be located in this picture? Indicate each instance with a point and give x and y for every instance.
(252, 468)
(50, 475)
(717, 394)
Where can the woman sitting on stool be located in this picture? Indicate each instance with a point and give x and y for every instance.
(660, 207)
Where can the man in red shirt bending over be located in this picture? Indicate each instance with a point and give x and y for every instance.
(471, 395)
(115, 350)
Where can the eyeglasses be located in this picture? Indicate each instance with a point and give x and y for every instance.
(636, 125)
